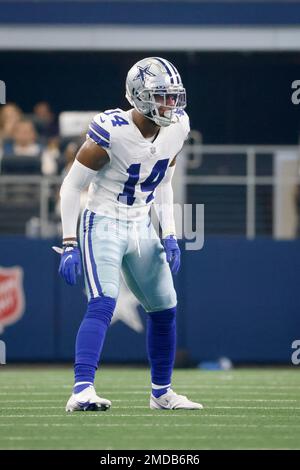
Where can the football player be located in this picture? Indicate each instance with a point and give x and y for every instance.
(127, 162)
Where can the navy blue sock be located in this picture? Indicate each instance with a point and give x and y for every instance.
(158, 392)
(79, 386)
(90, 339)
(161, 347)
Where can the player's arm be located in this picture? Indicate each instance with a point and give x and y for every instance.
(165, 204)
(164, 200)
(89, 160)
(164, 207)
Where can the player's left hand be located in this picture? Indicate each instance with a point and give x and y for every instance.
(70, 264)
(173, 252)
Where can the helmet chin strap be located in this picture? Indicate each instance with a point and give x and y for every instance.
(165, 120)
(160, 122)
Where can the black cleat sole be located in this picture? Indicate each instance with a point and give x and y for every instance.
(96, 407)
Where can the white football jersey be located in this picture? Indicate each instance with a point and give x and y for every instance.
(125, 187)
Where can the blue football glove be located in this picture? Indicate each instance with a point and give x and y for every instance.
(173, 252)
(70, 263)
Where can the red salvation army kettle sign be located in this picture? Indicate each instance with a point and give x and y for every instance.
(11, 295)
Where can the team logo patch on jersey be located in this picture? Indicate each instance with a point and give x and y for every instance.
(12, 301)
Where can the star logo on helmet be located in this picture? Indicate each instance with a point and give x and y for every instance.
(142, 72)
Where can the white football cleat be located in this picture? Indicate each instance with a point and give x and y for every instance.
(87, 400)
(172, 401)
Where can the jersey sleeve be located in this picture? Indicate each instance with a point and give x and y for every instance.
(99, 131)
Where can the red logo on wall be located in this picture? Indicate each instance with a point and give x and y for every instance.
(11, 295)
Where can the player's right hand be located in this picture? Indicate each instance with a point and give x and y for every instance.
(70, 263)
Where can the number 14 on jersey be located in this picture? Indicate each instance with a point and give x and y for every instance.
(149, 185)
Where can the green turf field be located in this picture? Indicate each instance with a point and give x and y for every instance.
(244, 409)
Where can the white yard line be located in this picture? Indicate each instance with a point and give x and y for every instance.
(143, 436)
(166, 414)
(146, 406)
(254, 407)
(200, 425)
(57, 400)
(215, 400)
(57, 407)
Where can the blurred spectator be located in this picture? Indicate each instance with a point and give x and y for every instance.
(44, 120)
(50, 157)
(25, 140)
(25, 144)
(10, 114)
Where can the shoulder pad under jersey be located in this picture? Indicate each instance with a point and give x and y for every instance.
(185, 123)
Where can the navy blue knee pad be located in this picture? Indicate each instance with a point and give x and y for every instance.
(163, 318)
(101, 308)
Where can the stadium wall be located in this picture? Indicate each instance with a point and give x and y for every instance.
(237, 298)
